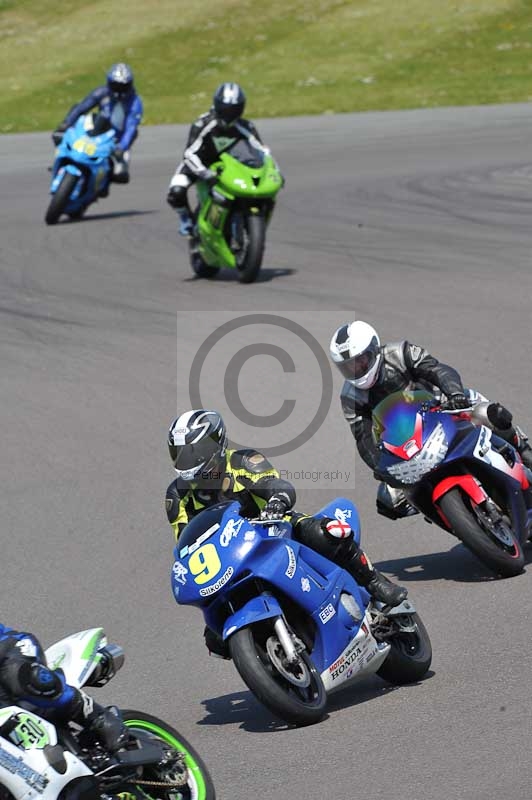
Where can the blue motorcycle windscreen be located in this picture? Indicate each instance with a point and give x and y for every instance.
(394, 418)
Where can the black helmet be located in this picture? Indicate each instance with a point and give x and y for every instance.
(228, 103)
(197, 441)
(120, 79)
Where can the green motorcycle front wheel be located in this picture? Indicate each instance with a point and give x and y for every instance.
(199, 785)
(248, 267)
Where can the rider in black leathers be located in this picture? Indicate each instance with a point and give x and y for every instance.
(373, 371)
(209, 135)
(208, 472)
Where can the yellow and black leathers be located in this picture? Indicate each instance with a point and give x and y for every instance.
(244, 475)
(247, 476)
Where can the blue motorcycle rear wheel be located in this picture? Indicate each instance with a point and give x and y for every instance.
(301, 702)
(410, 654)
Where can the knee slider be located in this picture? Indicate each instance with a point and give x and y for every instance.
(177, 196)
(335, 530)
(312, 532)
(340, 544)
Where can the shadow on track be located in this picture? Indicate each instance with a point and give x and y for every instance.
(243, 709)
(109, 215)
(457, 564)
(368, 689)
(229, 276)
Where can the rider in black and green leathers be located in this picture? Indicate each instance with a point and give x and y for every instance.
(208, 472)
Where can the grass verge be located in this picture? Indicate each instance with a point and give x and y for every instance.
(292, 57)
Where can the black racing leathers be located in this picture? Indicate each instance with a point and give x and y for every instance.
(207, 139)
(245, 475)
(404, 366)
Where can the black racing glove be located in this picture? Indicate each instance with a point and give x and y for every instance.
(499, 416)
(457, 401)
(275, 508)
(109, 728)
(57, 135)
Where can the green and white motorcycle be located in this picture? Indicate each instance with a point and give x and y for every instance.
(232, 216)
(40, 760)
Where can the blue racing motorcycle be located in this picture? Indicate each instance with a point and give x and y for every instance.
(297, 625)
(457, 473)
(83, 167)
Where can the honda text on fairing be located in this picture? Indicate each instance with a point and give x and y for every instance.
(39, 759)
(83, 167)
(298, 626)
(458, 474)
(232, 216)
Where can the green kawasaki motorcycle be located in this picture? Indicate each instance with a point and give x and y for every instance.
(232, 216)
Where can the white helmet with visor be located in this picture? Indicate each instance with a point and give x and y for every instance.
(356, 350)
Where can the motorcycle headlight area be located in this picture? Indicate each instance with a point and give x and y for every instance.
(433, 452)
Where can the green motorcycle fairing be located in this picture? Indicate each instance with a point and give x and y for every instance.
(247, 177)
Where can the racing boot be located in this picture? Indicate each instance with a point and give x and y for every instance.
(377, 584)
(392, 503)
(186, 225)
(108, 727)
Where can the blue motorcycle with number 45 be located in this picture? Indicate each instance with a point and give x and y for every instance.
(83, 168)
(298, 626)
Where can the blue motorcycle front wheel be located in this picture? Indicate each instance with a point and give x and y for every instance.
(495, 543)
(60, 198)
(295, 693)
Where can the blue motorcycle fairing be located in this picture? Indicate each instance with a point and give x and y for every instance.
(264, 606)
(73, 169)
(67, 167)
(88, 158)
(330, 641)
(238, 573)
(345, 511)
(470, 448)
(213, 560)
(467, 446)
(461, 436)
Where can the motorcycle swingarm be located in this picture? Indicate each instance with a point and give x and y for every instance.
(149, 753)
(406, 607)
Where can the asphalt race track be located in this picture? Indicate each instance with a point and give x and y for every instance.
(419, 222)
